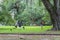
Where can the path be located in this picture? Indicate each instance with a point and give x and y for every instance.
(28, 37)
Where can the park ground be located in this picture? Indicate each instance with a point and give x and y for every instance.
(28, 33)
(28, 37)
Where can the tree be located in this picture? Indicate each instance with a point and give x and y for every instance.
(30, 11)
(19, 6)
(5, 16)
(54, 11)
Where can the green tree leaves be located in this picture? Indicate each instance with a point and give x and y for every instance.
(31, 11)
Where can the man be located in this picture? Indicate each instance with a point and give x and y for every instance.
(42, 23)
(18, 23)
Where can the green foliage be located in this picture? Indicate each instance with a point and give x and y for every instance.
(5, 16)
(30, 13)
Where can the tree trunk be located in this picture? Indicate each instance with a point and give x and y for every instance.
(56, 23)
(58, 13)
(54, 19)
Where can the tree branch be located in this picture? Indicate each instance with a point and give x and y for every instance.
(51, 9)
(48, 5)
(55, 3)
(55, 6)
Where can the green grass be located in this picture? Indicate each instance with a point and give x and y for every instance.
(28, 29)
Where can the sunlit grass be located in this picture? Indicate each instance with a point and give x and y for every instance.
(27, 29)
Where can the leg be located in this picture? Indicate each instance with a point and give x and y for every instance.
(15, 26)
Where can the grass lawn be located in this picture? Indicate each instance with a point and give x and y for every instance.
(28, 29)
